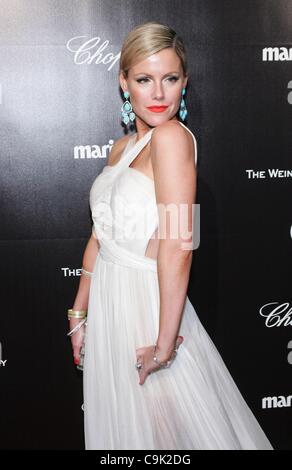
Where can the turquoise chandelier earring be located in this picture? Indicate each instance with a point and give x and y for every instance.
(183, 110)
(127, 110)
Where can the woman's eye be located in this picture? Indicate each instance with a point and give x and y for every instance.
(174, 79)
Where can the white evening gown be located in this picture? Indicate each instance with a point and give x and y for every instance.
(194, 404)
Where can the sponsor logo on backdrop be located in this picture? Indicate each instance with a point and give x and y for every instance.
(69, 272)
(280, 54)
(270, 173)
(276, 314)
(289, 357)
(92, 151)
(289, 98)
(3, 362)
(92, 50)
(277, 402)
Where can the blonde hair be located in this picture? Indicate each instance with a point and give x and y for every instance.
(147, 39)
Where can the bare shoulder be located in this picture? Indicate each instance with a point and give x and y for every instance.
(117, 149)
(169, 128)
(172, 154)
(172, 138)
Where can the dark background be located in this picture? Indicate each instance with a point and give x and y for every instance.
(239, 111)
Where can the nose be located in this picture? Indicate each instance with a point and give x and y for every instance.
(158, 91)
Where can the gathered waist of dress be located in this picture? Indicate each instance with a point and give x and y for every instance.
(111, 252)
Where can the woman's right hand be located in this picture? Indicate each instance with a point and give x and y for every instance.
(76, 339)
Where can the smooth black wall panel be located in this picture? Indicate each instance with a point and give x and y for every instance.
(60, 114)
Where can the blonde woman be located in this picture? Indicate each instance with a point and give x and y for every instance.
(153, 378)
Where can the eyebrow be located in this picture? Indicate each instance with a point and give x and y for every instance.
(149, 75)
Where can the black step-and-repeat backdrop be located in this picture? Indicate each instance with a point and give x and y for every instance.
(60, 113)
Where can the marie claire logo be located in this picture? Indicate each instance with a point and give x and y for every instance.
(277, 54)
(2, 361)
(87, 51)
(277, 402)
(277, 314)
(92, 151)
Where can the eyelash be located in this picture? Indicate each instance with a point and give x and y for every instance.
(171, 78)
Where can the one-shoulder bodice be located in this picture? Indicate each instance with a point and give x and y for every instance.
(123, 203)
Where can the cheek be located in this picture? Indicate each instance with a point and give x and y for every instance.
(177, 97)
(141, 97)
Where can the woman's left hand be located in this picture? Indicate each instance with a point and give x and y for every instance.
(145, 356)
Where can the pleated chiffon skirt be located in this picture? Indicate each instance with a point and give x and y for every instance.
(192, 405)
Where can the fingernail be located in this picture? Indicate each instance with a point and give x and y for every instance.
(76, 360)
(181, 337)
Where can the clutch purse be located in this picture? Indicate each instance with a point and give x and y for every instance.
(82, 314)
(82, 349)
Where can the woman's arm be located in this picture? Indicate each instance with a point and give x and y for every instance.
(88, 261)
(174, 168)
(82, 296)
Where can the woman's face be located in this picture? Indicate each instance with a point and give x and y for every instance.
(155, 81)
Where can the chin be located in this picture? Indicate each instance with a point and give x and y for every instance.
(155, 119)
(158, 120)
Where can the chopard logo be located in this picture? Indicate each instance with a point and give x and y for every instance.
(276, 54)
(88, 51)
(280, 315)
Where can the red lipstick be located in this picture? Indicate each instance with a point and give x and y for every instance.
(157, 109)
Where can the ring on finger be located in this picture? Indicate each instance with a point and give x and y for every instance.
(139, 365)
